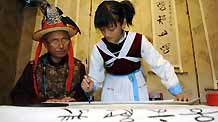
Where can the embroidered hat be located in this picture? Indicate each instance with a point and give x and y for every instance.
(53, 21)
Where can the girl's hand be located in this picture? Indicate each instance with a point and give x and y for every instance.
(87, 84)
(182, 97)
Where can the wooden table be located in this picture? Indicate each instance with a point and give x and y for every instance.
(111, 112)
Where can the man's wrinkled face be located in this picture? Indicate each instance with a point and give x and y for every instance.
(57, 43)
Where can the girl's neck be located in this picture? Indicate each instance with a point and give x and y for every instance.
(122, 37)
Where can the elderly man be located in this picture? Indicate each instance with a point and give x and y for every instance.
(55, 76)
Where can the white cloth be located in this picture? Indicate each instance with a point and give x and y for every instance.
(119, 87)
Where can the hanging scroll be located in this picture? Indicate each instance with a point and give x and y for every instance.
(165, 31)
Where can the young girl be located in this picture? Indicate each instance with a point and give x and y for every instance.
(115, 60)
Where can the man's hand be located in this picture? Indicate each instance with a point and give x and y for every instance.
(87, 84)
(182, 97)
(65, 99)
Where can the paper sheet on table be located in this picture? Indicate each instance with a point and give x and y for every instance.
(171, 101)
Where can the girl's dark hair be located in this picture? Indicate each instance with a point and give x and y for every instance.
(111, 12)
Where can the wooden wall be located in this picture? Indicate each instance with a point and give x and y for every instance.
(16, 25)
(201, 14)
(211, 34)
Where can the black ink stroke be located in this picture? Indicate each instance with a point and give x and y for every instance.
(71, 116)
(201, 116)
(127, 115)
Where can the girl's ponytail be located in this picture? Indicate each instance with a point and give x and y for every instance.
(129, 11)
(111, 12)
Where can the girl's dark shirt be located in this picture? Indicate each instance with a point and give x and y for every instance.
(122, 66)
